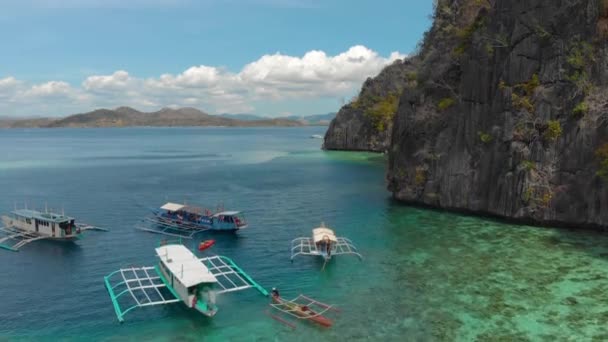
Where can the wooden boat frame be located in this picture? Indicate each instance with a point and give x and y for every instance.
(306, 246)
(287, 307)
(187, 231)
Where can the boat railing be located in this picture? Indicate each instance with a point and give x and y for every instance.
(165, 242)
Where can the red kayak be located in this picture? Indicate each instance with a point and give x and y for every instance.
(205, 244)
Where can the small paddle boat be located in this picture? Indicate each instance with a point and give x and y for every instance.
(301, 307)
(205, 244)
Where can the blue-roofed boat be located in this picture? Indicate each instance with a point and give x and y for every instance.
(23, 226)
(182, 220)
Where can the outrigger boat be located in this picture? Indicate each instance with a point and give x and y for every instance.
(323, 243)
(182, 220)
(23, 226)
(180, 276)
(301, 307)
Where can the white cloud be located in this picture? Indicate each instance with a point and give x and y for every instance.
(119, 80)
(49, 89)
(8, 83)
(8, 88)
(200, 76)
(274, 77)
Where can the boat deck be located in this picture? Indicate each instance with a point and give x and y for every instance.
(166, 227)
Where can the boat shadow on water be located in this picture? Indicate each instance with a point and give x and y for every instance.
(54, 247)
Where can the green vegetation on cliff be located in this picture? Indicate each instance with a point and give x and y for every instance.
(602, 155)
(380, 110)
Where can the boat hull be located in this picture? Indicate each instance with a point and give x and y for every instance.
(180, 292)
(203, 308)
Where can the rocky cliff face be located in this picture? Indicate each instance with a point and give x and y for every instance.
(509, 114)
(365, 124)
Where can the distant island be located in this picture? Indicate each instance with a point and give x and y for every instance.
(312, 120)
(166, 117)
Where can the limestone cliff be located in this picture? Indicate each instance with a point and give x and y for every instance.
(509, 114)
(365, 124)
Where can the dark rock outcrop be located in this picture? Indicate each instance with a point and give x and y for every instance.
(510, 113)
(354, 128)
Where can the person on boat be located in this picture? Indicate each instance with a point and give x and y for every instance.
(275, 293)
(328, 248)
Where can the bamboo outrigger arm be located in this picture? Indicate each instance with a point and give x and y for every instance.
(306, 246)
(18, 238)
(142, 284)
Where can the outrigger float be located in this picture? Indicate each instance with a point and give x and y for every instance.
(323, 243)
(180, 276)
(23, 226)
(301, 307)
(180, 220)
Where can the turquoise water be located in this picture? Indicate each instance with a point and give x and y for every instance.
(426, 275)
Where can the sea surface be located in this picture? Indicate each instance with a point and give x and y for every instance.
(425, 276)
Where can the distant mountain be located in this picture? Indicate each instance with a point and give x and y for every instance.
(243, 117)
(319, 119)
(7, 122)
(313, 120)
(126, 117)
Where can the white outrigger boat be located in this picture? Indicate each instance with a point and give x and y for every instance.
(23, 226)
(180, 276)
(323, 243)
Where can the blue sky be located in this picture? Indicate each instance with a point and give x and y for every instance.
(65, 56)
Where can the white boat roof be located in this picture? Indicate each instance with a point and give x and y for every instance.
(172, 206)
(321, 233)
(226, 213)
(184, 265)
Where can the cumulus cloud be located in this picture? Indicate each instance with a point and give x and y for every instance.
(8, 87)
(273, 77)
(49, 89)
(118, 81)
(8, 83)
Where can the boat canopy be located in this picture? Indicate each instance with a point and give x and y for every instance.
(192, 210)
(172, 206)
(184, 265)
(45, 216)
(323, 233)
(226, 213)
